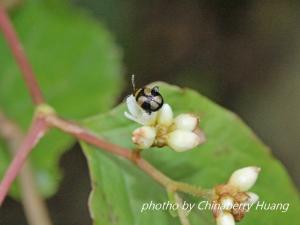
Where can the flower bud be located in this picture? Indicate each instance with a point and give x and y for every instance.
(181, 140)
(186, 121)
(144, 137)
(244, 178)
(165, 115)
(225, 219)
(253, 198)
(227, 203)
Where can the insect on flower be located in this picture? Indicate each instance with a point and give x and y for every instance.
(149, 99)
(159, 127)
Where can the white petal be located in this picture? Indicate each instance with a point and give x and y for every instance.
(244, 178)
(225, 219)
(147, 119)
(129, 116)
(186, 121)
(165, 115)
(144, 137)
(253, 198)
(181, 140)
(227, 203)
(132, 106)
(137, 114)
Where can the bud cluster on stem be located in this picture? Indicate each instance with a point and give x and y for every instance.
(160, 128)
(234, 197)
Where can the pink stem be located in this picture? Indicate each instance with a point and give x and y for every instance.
(36, 131)
(84, 135)
(17, 50)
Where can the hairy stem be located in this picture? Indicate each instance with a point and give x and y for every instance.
(34, 206)
(36, 131)
(18, 52)
(193, 190)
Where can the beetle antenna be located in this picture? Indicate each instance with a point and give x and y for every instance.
(133, 82)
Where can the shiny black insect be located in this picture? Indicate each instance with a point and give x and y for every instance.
(149, 99)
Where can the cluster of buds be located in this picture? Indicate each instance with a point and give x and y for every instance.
(234, 197)
(160, 128)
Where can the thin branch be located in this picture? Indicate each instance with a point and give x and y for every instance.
(36, 131)
(85, 135)
(35, 208)
(17, 50)
(193, 190)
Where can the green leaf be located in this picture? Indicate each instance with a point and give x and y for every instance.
(78, 67)
(120, 188)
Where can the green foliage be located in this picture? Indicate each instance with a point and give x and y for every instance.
(78, 67)
(120, 189)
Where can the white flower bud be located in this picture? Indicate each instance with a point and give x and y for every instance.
(225, 218)
(253, 198)
(165, 115)
(144, 137)
(186, 121)
(227, 203)
(244, 178)
(181, 140)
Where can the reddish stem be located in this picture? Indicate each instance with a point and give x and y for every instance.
(34, 206)
(36, 131)
(90, 138)
(84, 135)
(18, 52)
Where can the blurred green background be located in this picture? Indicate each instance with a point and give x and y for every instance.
(242, 54)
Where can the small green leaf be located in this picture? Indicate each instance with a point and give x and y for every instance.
(120, 189)
(77, 65)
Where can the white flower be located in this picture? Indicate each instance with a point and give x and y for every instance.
(143, 137)
(244, 178)
(160, 128)
(186, 122)
(137, 114)
(225, 219)
(181, 140)
(227, 203)
(165, 115)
